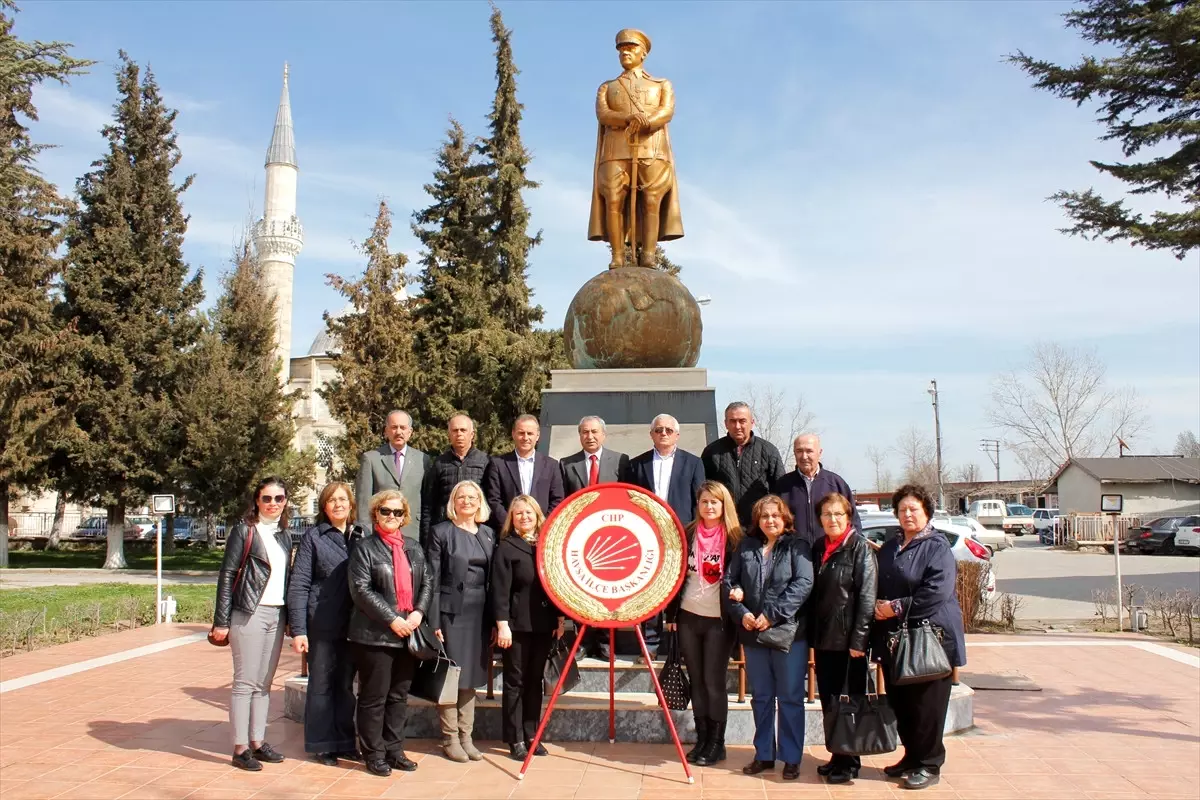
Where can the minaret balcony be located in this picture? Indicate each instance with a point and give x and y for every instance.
(279, 236)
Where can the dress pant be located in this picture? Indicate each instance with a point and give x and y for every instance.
(704, 643)
(329, 701)
(384, 675)
(777, 682)
(255, 641)
(833, 667)
(920, 720)
(524, 665)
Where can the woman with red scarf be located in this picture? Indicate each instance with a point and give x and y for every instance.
(842, 606)
(391, 585)
(705, 632)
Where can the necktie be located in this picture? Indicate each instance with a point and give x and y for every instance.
(397, 459)
(594, 472)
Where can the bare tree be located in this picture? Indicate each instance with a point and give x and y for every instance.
(1034, 466)
(883, 473)
(918, 458)
(1187, 445)
(778, 418)
(968, 473)
(1059, 403)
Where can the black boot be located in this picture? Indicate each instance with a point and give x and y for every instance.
(702, 736)
(714, 753)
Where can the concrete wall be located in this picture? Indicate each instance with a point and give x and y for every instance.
(1148, 500)
(1078, 491)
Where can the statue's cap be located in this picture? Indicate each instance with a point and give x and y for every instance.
(633, 36)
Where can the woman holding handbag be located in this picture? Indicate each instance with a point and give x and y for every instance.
(250, 615)
(460, 554)
(917, 575)
(843, 603)
(527, 623)
(319, 609)
(768, 582)
(699, 616)
(392, 586)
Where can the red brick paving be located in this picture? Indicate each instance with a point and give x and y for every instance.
(1110, 723)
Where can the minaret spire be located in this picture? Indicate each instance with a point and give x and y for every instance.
(282, 149)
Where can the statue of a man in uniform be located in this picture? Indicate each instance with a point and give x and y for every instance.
(634, 150)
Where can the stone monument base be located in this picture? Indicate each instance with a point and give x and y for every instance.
(627, 400)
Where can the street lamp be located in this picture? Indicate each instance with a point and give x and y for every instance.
(937, 431)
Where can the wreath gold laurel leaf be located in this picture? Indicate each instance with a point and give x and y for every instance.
(574, 598)
(658, 590)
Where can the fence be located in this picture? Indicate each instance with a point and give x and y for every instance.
(1093, 529)
(38, 523)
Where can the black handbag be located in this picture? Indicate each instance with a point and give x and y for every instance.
(779, 637)
(916, 654)
(861, 724)
(437, 680)
(558, 660)
(672, 678)
(423, 643)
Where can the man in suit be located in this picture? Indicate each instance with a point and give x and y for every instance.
(673, 475)
(807, 485)
(593, 464)
(394, 465)
(523, 471)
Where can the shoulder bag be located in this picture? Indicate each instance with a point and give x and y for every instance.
(672, 678)
(237, 577)
(916, 654)
(436, 680)
(861, 724)
(423, 643)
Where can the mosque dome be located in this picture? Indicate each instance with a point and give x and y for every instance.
(326, 343)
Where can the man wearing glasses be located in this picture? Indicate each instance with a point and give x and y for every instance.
(806, 486)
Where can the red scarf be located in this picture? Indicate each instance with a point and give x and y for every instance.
(710, 552)
(401, 569)
(831, 545)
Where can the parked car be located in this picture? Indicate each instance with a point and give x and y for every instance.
(1159, 535)
(879, 528)
(1187, 539)
(140, 527)
(93, 528)
(1043, 520)
(1018, 519)
(990, 513)
(994, 541)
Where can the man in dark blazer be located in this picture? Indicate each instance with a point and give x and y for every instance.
(594, 463)
(808, 484)
(523, 471)
(673, 475)
(394, 465)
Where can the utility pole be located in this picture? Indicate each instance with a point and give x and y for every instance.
(992, 448)
(937, 431)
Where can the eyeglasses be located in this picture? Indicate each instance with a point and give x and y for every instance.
(386, 512)
(661, 429)
(834, 515)
(277, 498)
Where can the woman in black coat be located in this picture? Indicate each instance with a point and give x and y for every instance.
(392, 587)
(460, 554)
(318, 603)
(699, 616)
(917, 575)
(527, 622)
(842, 605)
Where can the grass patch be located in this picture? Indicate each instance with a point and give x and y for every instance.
(199, 558)
(48, 615)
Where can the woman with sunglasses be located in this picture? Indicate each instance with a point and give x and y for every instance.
(391, 584)
(250, 612)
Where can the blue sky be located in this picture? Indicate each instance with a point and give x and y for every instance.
(862, 184)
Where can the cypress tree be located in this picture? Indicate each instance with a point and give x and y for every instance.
(377, 368)
(34, 346)
(127, 288)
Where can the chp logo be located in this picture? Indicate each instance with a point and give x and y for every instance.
(612, 555)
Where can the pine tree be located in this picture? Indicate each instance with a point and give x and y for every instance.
(235, 416)
(1149, 93)
(34, 346)
(661, 262)
(375, 360)
(128, 291)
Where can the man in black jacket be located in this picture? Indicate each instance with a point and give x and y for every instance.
(748, 465)
(523, 471)
(804, 487)
(461, 462)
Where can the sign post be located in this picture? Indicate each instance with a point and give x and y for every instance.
(1112, 504)
(611, 556)
(161, 505)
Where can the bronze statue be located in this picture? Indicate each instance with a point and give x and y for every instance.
(633, 149)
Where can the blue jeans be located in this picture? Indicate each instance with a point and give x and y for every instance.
(777, 679)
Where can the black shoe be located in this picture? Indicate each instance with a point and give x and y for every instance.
(517, 751)
(756, 766)
(328, 759)
(377, 766)
(540, 750)
(842, 775)
(401, 762)
(264, 752)
(246, 760)
(898, 770)
(714, 751)
(791, 772)
(825, 770)
(702, 734)
(921, 779)
(350, 755)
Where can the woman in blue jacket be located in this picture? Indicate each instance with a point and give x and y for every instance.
(768, 582)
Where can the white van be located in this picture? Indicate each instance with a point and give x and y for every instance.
(990, 513)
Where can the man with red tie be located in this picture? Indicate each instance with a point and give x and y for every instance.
(594, 463)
